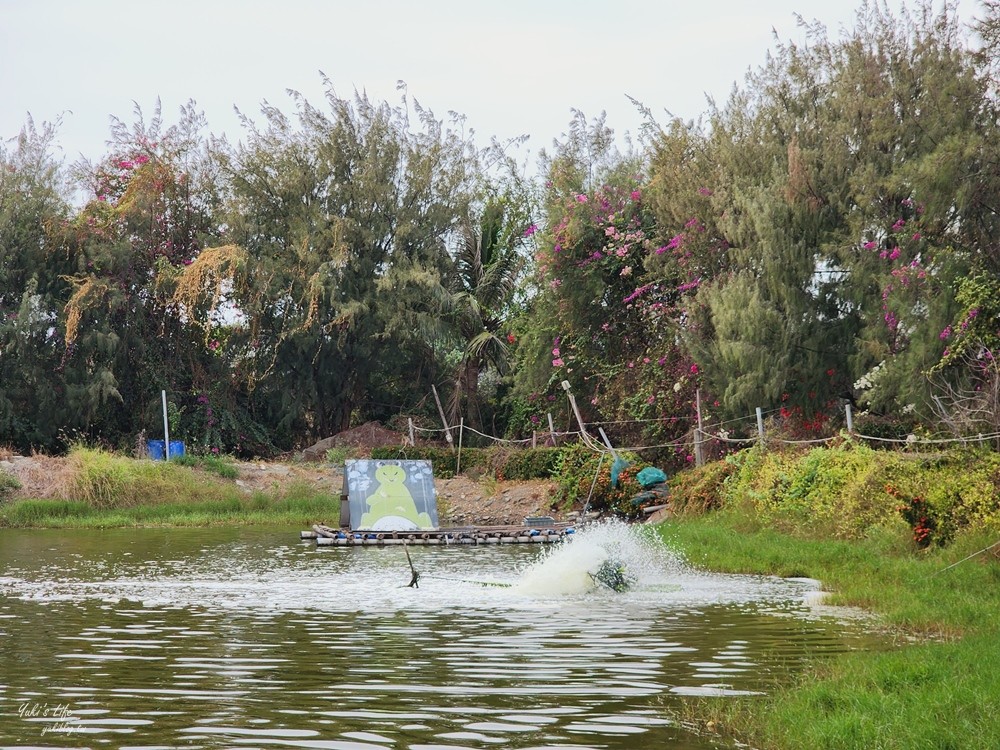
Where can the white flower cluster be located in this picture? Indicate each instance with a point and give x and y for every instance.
(870, 379)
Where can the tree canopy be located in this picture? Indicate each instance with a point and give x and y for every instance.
(827, 235)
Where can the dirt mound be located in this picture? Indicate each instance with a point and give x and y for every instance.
(462, 501)
(369, 435)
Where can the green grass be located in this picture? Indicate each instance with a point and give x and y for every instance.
(218, 465)
(257, 509)
(938, 689)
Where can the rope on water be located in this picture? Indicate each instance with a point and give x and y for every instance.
(967, 557)
(494, 584)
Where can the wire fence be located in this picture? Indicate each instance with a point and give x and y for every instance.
(697, 439)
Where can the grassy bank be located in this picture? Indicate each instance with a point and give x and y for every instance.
(804, 515)
(98, 489)
(257, 509)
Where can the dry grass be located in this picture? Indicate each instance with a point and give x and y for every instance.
(44, 477)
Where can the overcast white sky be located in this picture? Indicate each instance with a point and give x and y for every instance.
(512, 67)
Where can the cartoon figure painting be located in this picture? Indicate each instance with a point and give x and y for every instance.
(391, 495)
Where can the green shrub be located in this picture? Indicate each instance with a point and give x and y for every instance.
(581, 474)
(851, 490)
(499, 462)
(520, 464)
(699, 489)
(219, 465)
(8, 484)
(886, 427)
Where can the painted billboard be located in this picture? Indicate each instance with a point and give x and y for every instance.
(391, 495)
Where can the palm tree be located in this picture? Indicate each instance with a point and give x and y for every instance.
(484, 287)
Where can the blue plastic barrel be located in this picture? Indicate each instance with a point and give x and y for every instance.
(155, 449)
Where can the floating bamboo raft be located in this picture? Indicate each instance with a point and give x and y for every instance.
(541, 534)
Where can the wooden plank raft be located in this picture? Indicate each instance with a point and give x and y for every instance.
(326, 536)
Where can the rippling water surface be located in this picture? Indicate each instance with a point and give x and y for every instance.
(249, 638)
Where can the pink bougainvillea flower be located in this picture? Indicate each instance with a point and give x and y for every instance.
(916, 236)
(555, 351)
(581, 198)
(894, 254)
(557, 362)
(870, 245)
(899, 225)
(694, 369)
(532, 228)
(636, 195)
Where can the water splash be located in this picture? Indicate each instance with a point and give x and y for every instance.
(571, 568)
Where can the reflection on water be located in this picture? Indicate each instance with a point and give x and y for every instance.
(246, 637)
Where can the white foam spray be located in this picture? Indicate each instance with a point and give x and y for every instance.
(569, 568)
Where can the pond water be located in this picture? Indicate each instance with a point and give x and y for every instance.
(211, 638)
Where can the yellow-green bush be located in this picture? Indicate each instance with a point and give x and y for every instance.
(850, 490)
